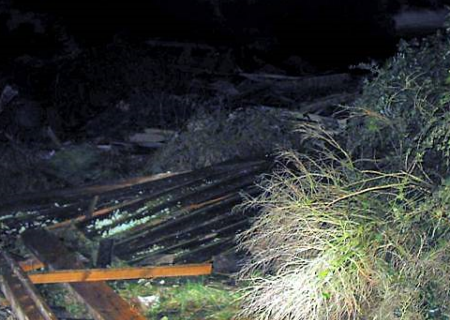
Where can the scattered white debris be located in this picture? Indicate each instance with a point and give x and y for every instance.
(148, 301)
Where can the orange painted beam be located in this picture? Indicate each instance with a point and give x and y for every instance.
(102, 302)
(92, 275)
(31, 264)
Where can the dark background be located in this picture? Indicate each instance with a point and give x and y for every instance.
(324, 31)
(72, 60)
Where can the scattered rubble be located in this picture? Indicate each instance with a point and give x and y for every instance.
(81, 234)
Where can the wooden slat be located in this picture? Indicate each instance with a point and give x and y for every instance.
(92, 275)
(133, 238)
(24, 299)
(102, 302)
(31, 264)
(173, 187)
(201, 243)
(36, 199)
(186, 226)
(206, 252)
(223, 184)
(98, 213)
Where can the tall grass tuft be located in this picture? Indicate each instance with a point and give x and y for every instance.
(337, 242)
(339, 239)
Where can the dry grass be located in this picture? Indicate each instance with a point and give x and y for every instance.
(336, 242)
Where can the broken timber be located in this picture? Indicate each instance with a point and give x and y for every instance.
(24, 299)
(146, 221)
(102, 302)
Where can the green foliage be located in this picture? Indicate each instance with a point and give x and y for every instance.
(190, 299)
(58, 296)
(402, 116)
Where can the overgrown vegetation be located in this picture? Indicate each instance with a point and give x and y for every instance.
(182, 299)
(58, 296)
(402, 119)
(214, 137)
(362, 232)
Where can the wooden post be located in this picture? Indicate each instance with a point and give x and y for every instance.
(24, 299)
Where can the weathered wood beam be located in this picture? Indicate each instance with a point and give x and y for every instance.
(134, 238)
(128, 196)
(235, 182)
(21, 201)
(184, 226)
(149, 184)
(102, 302)
(92, 275)
(175, 192)
(206, 252)
(23, 297)
(219, 217)
(199, 242)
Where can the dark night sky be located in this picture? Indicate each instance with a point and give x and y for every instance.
(320, 30)
(309, 27)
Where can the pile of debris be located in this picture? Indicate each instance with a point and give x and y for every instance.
(173, 224)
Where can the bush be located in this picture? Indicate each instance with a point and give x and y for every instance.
(362, 232)
(402, 119)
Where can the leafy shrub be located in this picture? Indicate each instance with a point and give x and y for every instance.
(403, 115)
(362, 232)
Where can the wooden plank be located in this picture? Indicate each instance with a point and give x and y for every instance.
(168, 254)
(133, 237)
(206, 252)
(190, 180)
(24, 299)
(149, 183)
(225, 183)
(182, 227)
(22, 201)
(198, 242)
(99, 213)
(93, 275)
(102, 302)
(31, 264)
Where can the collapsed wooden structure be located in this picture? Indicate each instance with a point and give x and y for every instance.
(178, 220)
